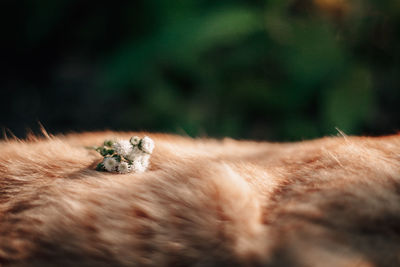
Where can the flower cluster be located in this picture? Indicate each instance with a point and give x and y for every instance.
(126, 156)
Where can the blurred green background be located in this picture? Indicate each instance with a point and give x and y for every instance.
(273, 70)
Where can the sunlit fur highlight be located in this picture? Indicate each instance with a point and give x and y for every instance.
(203, 202)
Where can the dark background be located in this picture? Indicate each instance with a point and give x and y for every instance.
(275, 70)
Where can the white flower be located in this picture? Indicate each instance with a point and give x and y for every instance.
(138, 167)
(141, 163)
(135, 154)
(126, 156)
(124, 167)
(145, 160)
(109, 164)
(147, 145)
(123, 147)
(134, 140)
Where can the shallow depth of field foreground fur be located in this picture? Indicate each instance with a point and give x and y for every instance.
(328, 202)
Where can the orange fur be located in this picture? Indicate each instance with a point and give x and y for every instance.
(203, 202)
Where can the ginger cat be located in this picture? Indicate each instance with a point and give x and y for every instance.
(328, 202)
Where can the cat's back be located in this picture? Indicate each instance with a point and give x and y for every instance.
(330, 202)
